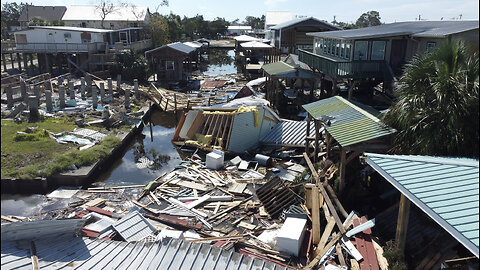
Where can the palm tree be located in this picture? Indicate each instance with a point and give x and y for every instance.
(437, 109)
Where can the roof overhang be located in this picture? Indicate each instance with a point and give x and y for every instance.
(444, 224)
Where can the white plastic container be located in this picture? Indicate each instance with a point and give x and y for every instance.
(290, 237)
(214, 160)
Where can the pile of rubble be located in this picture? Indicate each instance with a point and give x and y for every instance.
(237, 205)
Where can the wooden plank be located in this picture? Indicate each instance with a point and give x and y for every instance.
(315, 215)
(199, 201)
(325, 195)
(340, 256)
(237, 188)
(192, 185)
(246, 225)
(326, 233)
(9, 219)
(317, 258)
(94, 202)
(230, 131)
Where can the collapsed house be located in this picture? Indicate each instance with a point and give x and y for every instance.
(229, 129)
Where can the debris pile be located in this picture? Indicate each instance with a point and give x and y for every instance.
(236, 205)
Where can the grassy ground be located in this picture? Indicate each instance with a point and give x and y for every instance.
(35, 154)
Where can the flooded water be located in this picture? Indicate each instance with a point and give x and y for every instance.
(130, 170)
(125, 171)
(135, 166)
(220, 62)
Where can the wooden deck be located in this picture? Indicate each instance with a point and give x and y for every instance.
(171, 101)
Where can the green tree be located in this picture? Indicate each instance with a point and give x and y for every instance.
(370, 18)
(438, 108)
(255, 22)
(131, 66)
(10, 14)
(158, 30)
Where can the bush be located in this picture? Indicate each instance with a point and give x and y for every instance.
(394, 256)
(131, 66)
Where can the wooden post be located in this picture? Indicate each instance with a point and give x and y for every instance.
(317, 137)
(350, 90)
(402, 222)
(315, 215)
(12, 62)
(343, 163)
(4, 60)
(307, 142)
(175, 102)
(329, 142)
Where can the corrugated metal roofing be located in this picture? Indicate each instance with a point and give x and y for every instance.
(288, 133)
(444, 188)
(178, 46)
(83, 253)
(416, 29)
(291, 23)
(255, 44)
(134, 227)
(349, 123)
(284, 70)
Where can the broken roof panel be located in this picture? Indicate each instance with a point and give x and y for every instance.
(48, 13)
(178, 46)
(288, 133)
(350, 123)
(83, 253)
(446, 189)
(134, 227)
(245, 38)
(416, 29)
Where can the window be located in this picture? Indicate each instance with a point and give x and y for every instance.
(112, 26)
(431, 45)
(378, 50)
(342, 49)
(67, 35)
(169, 65)
(83, 24)
(360, 50)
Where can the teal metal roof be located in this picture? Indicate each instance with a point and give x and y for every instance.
(446, 189)
(350, 123)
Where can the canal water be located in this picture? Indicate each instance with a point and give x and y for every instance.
(220, 62)
(134, 167)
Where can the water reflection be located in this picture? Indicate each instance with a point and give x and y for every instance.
(127, 171)
(219, 62)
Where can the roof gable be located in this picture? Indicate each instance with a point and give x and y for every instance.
(48, 13)
(310, 21)
(446, 189)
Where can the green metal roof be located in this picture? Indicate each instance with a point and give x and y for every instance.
(446, 189)
(350, 123)
(283, 70)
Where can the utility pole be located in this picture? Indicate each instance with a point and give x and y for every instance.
(460, 16)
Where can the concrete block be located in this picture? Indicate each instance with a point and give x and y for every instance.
(290, 237)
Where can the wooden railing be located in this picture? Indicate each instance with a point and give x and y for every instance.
(61, 47)
(357, 69)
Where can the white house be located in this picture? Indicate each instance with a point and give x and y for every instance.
(120, 17)
(237, 30)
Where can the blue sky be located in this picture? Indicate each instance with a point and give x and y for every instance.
(346, 11)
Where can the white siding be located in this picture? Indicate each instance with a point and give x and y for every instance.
(58, 36)
(244, 133)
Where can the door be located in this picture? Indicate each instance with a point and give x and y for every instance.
(397, 55)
